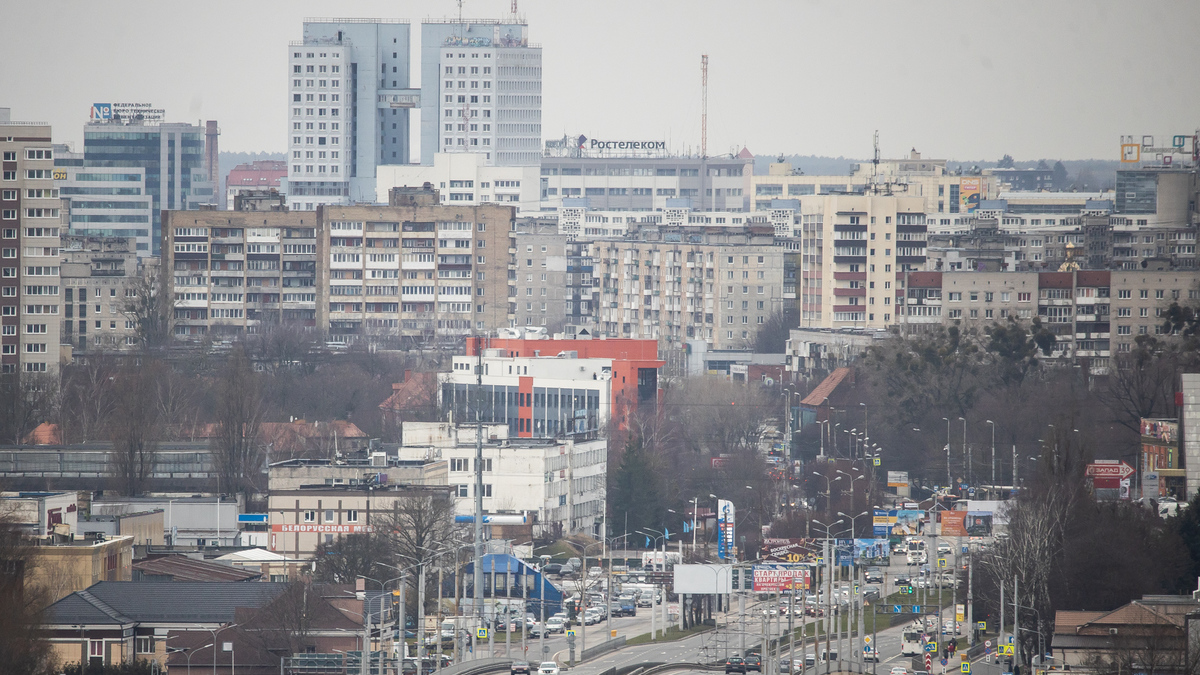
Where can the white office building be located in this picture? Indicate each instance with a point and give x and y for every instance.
(557, 484)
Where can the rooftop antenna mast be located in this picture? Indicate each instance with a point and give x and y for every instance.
(875, 164)
(703, 105)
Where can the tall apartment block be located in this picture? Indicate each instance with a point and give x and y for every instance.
(490, 97)
(238, 272)
(30, 216)
(350, 101)
(854, 251)
(415, 268)
(171, 156)
(686, 283)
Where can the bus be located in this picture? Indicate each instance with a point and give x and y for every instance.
(910, 641)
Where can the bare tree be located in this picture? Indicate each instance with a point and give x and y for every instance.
(236, 450)
(89, 390)
(22, 643)
(26, 400)
(1154, 647)
(149, 305)
(1139, 384)
(136, 426)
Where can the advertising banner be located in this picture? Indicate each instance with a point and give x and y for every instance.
(843, 552)
(907, 523)
(1164, 431)
(781, 577)
(954, 523)
(872, 551)
(791, 550)
(969, 193)
(897, 478)
(882, 523)
(979, 523)
(726, 529)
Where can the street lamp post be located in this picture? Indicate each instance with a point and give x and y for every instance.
(188, 652)
(966, 455)
(993, 424)
(949, 478)
(828, 494)
(542, 599)
(828, 553)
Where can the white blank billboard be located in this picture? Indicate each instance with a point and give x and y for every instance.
(704, 579)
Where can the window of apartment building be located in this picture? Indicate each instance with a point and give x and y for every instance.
(1023, 297)
(144, 645)
(462, 490)
(487, 466)
(329, 516)
(1125, 294)
(955, 296)
(459, 464)
(487, 490)
(1143, 312)
(974, 296)
(1144, 294)
(310, 516)
(1124, 311)
(352, 515)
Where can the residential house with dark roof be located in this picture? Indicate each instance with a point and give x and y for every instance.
(115, 621)
(1146, 635)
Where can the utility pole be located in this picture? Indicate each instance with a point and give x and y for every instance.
(949, 478)
(1014, 485)
(478, 484)
(971, 594)
(1000, 633)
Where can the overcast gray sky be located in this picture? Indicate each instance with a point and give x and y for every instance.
(958, 80)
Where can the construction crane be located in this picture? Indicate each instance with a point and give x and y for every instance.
(703, 105)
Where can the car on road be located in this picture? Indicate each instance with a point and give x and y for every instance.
(944, 548)
(735, 664)
(873, 575)
(903, 581)
(898, 670)
(555, 625)
(519, 668)
(951, 626)
(810, 660)
(869, 654)
(753, 662)
(813, 610)
(548, 668)
(534, 629)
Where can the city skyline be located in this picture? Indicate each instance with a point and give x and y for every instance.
(1036, 84)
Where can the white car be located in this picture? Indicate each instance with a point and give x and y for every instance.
(899, 670)
(555, 625)
(548, 668)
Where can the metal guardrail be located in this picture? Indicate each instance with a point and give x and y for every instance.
(479, 666)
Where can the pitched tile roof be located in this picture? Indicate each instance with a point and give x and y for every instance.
(824, 390)
(183, 601)
(415, 392)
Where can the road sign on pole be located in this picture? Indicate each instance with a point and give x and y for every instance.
(928, 662)
(965, 667)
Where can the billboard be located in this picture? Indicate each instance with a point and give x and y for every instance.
(970, 191)
(897, 479)
(881, 523)
(791, 550)
(979, 523)
(954, 524)
(1160, 432)
(907, 523)
(872, 551)
(726, 529)
(321, 528)
(781, 577)
(703, 579)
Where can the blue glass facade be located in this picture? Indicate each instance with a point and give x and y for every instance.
(172, 156)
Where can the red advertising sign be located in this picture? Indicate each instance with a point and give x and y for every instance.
(314, 527)
(772, 579)
(1109, 468)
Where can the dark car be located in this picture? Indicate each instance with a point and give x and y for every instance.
(552, 568)
(521, 667)
(735, 664)
(873, 575)
(753, 662)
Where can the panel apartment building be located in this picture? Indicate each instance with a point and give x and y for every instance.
(854, 252)
(236, 272)
(30, 224)
(415, 268)
(673, 284)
